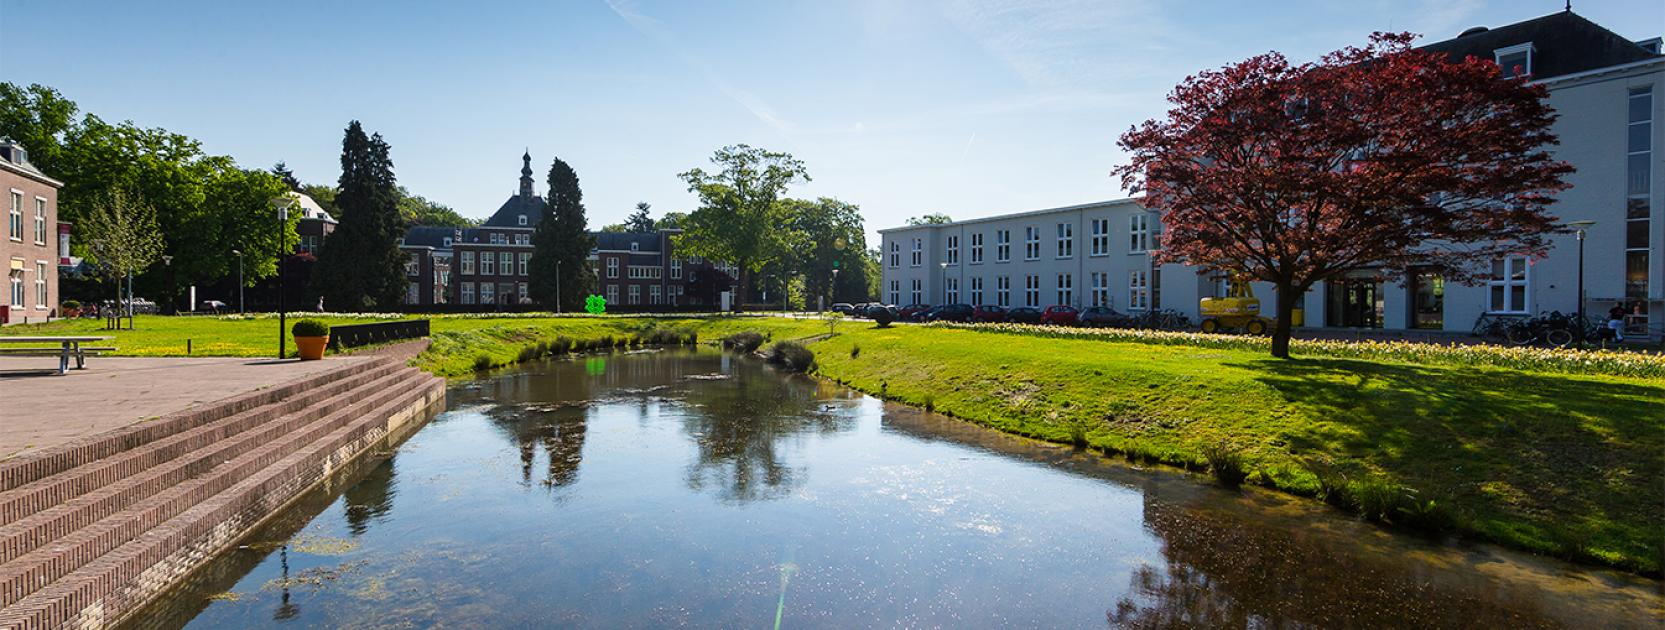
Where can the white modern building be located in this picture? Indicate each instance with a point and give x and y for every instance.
(1610, 94)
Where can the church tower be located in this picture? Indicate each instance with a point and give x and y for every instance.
(526, 175)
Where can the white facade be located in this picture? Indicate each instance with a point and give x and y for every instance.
(1611, 128)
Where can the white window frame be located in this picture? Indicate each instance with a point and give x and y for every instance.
(1031, 243)
(895, 290)
(1138, 233)
(41, 298)
(1101, 236)
(14, 221)
(951, 249)
(655, 294)
(467, 293)
(612, 294)
(977, 248)
(1066, 289)
(1508, 282)
(918, 253)
(522, 220)
(976, 290)
(895, 255)
(1100, 289)
(676, 268)
(612, 267)
(40, 220)
(951, 291)
(523, 239)
(488, 265)
(413, 293)
(1507, 51)
(1066, 240)
(1032, 290)
(1643, 154)
(1003, 291)
(468, 266)
(917, 293)
(1138, 289)
(1002, 246)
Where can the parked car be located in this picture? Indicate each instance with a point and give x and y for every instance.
(912, 312)
(1024, 315)
(988, 314)
(1099, 317)
(1060, 315)
(845, 308)
(949, 313)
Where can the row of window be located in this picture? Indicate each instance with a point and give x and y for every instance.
(1141, 238)
(19, 288)
(1639, 185)
(490, 293)
(489, 262)
(498, 238)
(634, 291)
(645, 272)
(1140, 286)
(14, 219)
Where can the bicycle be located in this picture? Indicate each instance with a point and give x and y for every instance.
(1494, 328)
(1552, 328)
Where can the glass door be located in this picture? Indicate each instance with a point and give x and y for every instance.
(1427, 298)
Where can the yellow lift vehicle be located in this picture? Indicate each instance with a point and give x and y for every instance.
(1239, 310)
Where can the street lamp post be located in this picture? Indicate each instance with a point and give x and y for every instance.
(173, 291)
(283, 227)
(239, 254)
(1581, 226)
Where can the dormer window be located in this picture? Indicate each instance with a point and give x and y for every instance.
(635, 247)
(447, 241)
(522, 219)
(1515, 61)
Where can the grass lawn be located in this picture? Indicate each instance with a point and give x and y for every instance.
(1567, 464)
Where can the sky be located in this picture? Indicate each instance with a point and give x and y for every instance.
(903, 107)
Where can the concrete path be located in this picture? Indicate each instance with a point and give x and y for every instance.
(42, 411)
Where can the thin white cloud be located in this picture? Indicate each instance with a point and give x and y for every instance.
(655, 30)
(1068, 42)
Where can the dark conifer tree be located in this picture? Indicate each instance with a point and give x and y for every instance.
(562, 237)
(360, 267)
(282, 171)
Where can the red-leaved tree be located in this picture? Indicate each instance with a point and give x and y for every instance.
(1370, 158)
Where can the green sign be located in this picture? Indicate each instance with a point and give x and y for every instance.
(595, 304)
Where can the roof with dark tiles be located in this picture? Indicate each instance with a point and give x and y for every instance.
(1563, 43)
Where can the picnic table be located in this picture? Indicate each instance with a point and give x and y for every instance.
(67, 346)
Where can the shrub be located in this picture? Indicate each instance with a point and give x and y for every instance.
(310, 328)
(746, 342)
(71, 304)
(1226, 463)
(883, 317)
(482, 362)
(791, 355)
(562, 345)
(528, 353)
(1376, 499)
(855, 351)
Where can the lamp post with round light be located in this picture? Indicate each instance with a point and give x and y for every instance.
(1581, 227)
(282, 204)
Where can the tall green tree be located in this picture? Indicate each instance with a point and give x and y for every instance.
(835, 239)
(640, 220)
(741, 219)
(281, 170)
(561, 244)
(671, 221)
(361, 267)
(122, 232)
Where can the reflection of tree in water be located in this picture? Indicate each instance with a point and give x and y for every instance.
(558, 429)
(737, 424)
(371, 498)
(1224, 573)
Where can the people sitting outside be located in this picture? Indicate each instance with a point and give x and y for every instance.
(1616, 321)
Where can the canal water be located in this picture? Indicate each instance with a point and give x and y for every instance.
(692, 488)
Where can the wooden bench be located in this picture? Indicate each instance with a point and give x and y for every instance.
(66, 348)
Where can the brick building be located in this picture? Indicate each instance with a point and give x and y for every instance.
(29, 247)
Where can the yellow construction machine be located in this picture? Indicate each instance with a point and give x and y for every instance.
(1239, 310)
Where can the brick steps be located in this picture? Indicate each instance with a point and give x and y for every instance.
(157, 506)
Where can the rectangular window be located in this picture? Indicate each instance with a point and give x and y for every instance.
(951, 294)
(488, 265)
(654, 296)
(40, 221)
(917, 297)
(1138, 290)
(951, 250)
(1031, 243)
(976, 291)
(413, 293)
(468, 266)
(1510, 285)
(488, 293)
(612, 294)
(1066, 289)
(1002, 245)
(1003, 291)
(467, 293)
(918, 253)
(1031, 290)
(523, 239)
(14, 221)
(612, 267)
(525, 263)
(1639, 180)
(17, 290)
(1100, 290)
(1066, 240)
(1139, 233)
(1101, 237)
(521, 292)
(895, 290)
(977, 248)
(635, 294)
(1514, 61)
(499, 239)
(895, 255)
(40, 285)
(676, 268)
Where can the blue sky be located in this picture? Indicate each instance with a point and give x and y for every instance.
(969, 107)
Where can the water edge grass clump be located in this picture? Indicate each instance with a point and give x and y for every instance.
(791, 355)
(1225, 462)
(745, 342)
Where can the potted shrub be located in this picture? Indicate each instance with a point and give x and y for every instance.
(311, 337)
(71, 309)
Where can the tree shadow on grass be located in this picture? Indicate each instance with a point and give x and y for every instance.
(1558, 451)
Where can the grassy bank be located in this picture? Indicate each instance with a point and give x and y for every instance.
(1550, 457)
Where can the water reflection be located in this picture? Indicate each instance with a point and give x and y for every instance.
(370, 499)
(740, 423)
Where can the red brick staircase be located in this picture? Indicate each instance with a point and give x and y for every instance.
(92, 530)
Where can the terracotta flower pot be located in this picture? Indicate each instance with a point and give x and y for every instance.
(311, 348)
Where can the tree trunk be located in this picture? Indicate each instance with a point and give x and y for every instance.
(744, 276)
(1287, 296)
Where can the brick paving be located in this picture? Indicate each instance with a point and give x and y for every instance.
(38, 411)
